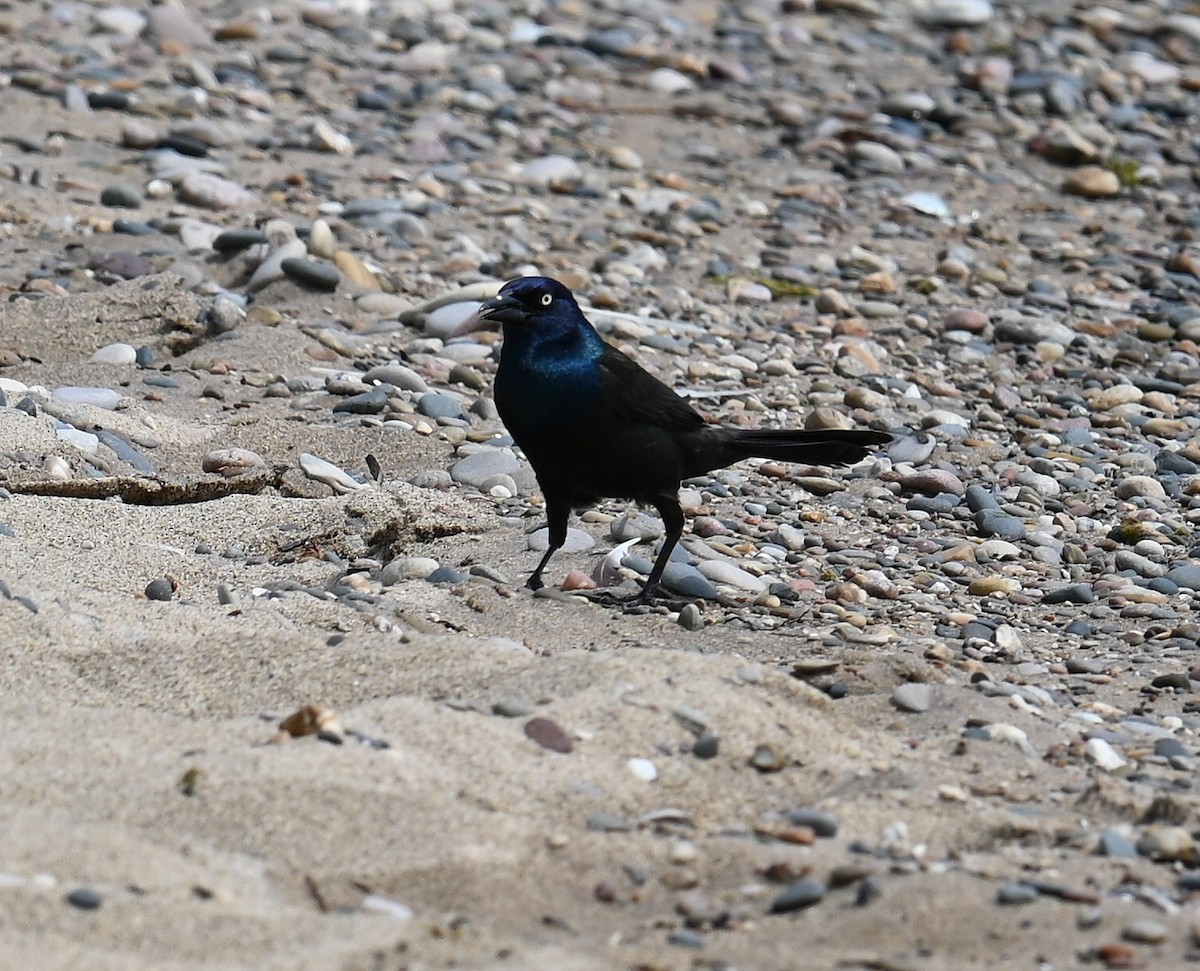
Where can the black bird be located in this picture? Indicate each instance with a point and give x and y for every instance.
(593, 423)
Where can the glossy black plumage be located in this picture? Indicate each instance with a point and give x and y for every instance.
(593, 423)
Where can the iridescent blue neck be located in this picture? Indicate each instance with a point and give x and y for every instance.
(570, 348)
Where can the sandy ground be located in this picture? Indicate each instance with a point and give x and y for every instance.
(278, 855)
(141, 755)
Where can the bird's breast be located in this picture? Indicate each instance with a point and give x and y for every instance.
(543, 397)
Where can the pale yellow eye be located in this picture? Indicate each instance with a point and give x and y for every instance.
(547, 299)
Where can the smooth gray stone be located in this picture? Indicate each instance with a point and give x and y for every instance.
(996, 522)
(371, 402)
(125, 452)
(824, 824)
(434, 405)
(480, 466)
(315, 273)
(686, 581)
(397, 375)
(799, 895)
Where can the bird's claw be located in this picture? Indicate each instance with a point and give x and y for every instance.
(639, 603)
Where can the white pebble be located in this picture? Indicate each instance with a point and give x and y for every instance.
(338, 479)
(115, 354)
(1104, 755)
(644, 769)
(96, 397)
(683, 851)
(373, 904)
(57, 467)
(84, 441)
(550, 168)
(667, 81)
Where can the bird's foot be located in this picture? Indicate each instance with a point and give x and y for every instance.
(602, 598)
(534, 583)
(639, 603)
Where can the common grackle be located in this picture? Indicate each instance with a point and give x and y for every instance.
(593, 423)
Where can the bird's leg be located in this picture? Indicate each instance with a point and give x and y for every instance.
(558, 511)
(668, 507)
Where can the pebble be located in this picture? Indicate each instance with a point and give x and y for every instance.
(913, 696)
(121, 197)
(549, 735)
(407, 568)
(93, 397)
(686, 581)
(643, 769)
(1104, 755)
(690, 617)
(1115, 843)
(477, 468)
(721, 571)
(115, 354)
(996, 522)
(397, 375)
(956, 13)
(322, 471)
(210, 191)
(932, 482)
(551, 168)
(160, 589)
(371, 402)
(636, 526)
(1016, 894)
(798, 896)
(271, 269)
(435, 405)
(84, 898)
(823, 824)
(444, 321)
(1185, 575)
(314, 273)
(1168, 843)
(1144, 932)
(1092, 182)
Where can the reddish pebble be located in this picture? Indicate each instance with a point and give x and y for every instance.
(605, 892)
(549, 735)
(1118, 956)
(578, 580)
(966, 318)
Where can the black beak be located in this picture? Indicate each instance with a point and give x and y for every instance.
(500, 309)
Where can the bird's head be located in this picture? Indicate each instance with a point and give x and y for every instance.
(538, 303)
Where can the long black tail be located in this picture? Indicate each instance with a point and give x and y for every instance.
(826, 446)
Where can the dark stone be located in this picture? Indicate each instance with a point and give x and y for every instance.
(996, 522)
(235, 240)
(1075, 593)
(825, 825)
(85, 898)
(368, 403)
(160, 589)
(799, 895)
(121, 197)
(314, 273)
(549, 735)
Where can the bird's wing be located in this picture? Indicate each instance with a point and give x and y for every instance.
(635, 394)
